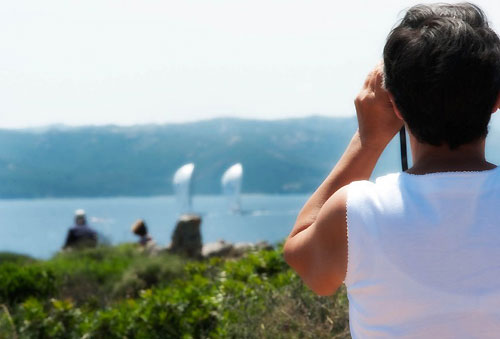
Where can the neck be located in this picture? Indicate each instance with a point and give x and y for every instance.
(431, 159)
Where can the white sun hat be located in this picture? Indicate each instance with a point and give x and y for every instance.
(79, 213)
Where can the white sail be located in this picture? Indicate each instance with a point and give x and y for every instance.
(231, 185)
(182, 186)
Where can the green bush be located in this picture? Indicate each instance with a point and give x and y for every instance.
(18, 283)
(90, 275)
(55, 320)
(152, 272)
(136, 296)
(15, 258)
(7, 326)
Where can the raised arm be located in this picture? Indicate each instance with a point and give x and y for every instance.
(317, 245)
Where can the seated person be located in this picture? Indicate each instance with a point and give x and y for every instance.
(139, 228)
(80, 235)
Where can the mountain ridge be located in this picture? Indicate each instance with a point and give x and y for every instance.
(278, 156)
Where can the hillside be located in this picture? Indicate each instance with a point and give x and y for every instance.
(282, 156)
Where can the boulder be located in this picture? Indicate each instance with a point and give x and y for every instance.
(222, 248)
(219, 248)
(241, 248)
(263, 245)
(186, 239)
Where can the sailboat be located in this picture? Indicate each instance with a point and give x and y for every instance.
(182, 186)
(231, 186)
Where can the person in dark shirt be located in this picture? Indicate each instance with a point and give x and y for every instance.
(80, 235)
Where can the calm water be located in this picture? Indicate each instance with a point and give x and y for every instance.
(38, 227)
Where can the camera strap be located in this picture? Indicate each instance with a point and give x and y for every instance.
(404, 155)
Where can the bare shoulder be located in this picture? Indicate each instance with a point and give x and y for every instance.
(319, 252)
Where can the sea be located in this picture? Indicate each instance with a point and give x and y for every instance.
(38, 227)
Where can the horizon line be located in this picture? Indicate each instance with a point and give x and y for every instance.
(56, 125)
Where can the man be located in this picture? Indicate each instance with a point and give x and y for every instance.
(418, 251)
(80, 235)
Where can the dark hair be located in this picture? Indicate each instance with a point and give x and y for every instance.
(442, 65)
(139, 228)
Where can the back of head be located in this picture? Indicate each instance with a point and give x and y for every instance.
(139, 228)
(80, 218)
(442, 66)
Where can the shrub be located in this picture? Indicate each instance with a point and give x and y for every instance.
(89, 275)
(151, 272)
(55, 320)
(18, 283)
(15, 258)
(7, 326)
(256, 296)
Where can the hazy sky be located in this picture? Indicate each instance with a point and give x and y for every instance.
(126, 62)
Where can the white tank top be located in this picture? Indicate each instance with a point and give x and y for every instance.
(424, 256)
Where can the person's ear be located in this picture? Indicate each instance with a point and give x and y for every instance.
(497, 104)
(394, 107)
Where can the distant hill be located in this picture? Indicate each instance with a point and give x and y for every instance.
(281, 156)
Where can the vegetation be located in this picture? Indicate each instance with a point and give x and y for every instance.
(120, 292)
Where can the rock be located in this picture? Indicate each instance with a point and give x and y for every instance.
(241, 248)
(263, 245)
(222, 248)
(217, 249)
(186, 239)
